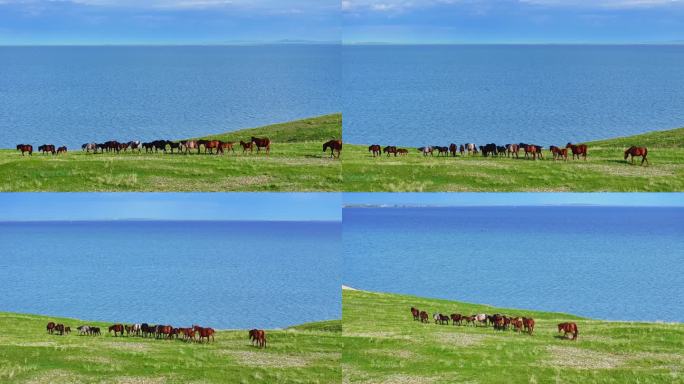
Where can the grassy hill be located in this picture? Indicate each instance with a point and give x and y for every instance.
(605, 170)
(309, 353)
(383, 344)
(296, 163)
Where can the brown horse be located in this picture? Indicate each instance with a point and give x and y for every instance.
(258, 337)
(456, 318)
(636, 152)
(578, 150)
(50, 327)
(512, 149)
(424, 318)
(164, 331)
(117, 328)
(335, 146)
(204, 333)
(569, 328)
(517, 324)
(453, 149)
(531, 150)
(390, 149)
(265, 143)
(188, 145)
(67, 330)
(47, 148)
(246, 146)
(528, 323)
(416, 313)
(375, 148)
(225, 146)
(402, 152)
(62, 149)
(25, 148)
(208, 145)
(59, 328)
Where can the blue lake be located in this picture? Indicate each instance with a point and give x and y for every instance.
(434, 95)
(224, 274)
(72, 95)
(600, 262)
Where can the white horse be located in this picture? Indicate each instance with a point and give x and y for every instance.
(481, 318)
(89, 147)
(425, 150)
(83, 330)
(471, 148)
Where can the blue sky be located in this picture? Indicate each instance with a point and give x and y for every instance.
(170, 206)
(64, 22)
(517, 199)
(513, 21)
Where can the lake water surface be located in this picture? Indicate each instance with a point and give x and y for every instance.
(225, 274)
(600, 262)
(73, 95)
(435, 95)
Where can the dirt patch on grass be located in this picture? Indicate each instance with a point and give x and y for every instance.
(460, 339)
(124, 346)
(405, 379)
(91, 359)
(402, 354)
(377, 335)
(56, 376)
(137, 380)
(269, 360)
(571, 357)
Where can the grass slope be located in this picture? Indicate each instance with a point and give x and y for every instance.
(296, 164)
(382, 344)
(605, 170)
(309, 353)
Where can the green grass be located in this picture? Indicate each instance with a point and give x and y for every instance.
(383, 344)
(296, 163)
(605, 170)
(310, 353)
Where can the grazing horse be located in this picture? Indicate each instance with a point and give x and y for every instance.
(174, 145)
(62, 149)
(424, 317)
(390, 149)
(512, 149)
(258, 337)
(25, 148)
(123, 146)
(402, 152)
(83, 330)
(469, 320)
(67, 330)
(471, 148)
(425, 151)
(191, 144)
(111, 145)
(375, 148)
(461, 149)
(50, 327)
(531, 150)
(129, 329)
(47, 148)
(528, 323)
(246, 146)
(164, 331)
(117, 328)
(133, 145)
(204, 333)
(146, 329)
(442, 151)
(208, 145)
(481, 318)
(225, 146)
(517, 324)
(637, 151)
(265, 143)
(59, 328)
(335, 146)
(456, 318)
(569, 328)
(489, 149)
(453, 148)
(559, 153)
(577, 150)
(136, 328)
(416, 313)
(443, 319)
(95, 331)
(89, 147)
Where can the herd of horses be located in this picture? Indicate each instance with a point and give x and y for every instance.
(497, 321)
(530, 151)
(209, 146)
(192, 334)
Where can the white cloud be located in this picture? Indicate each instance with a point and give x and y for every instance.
(605, 3)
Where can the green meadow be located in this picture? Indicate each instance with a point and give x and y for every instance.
(383, 344)
(604, 170)
(296, 163)
(308, 353)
